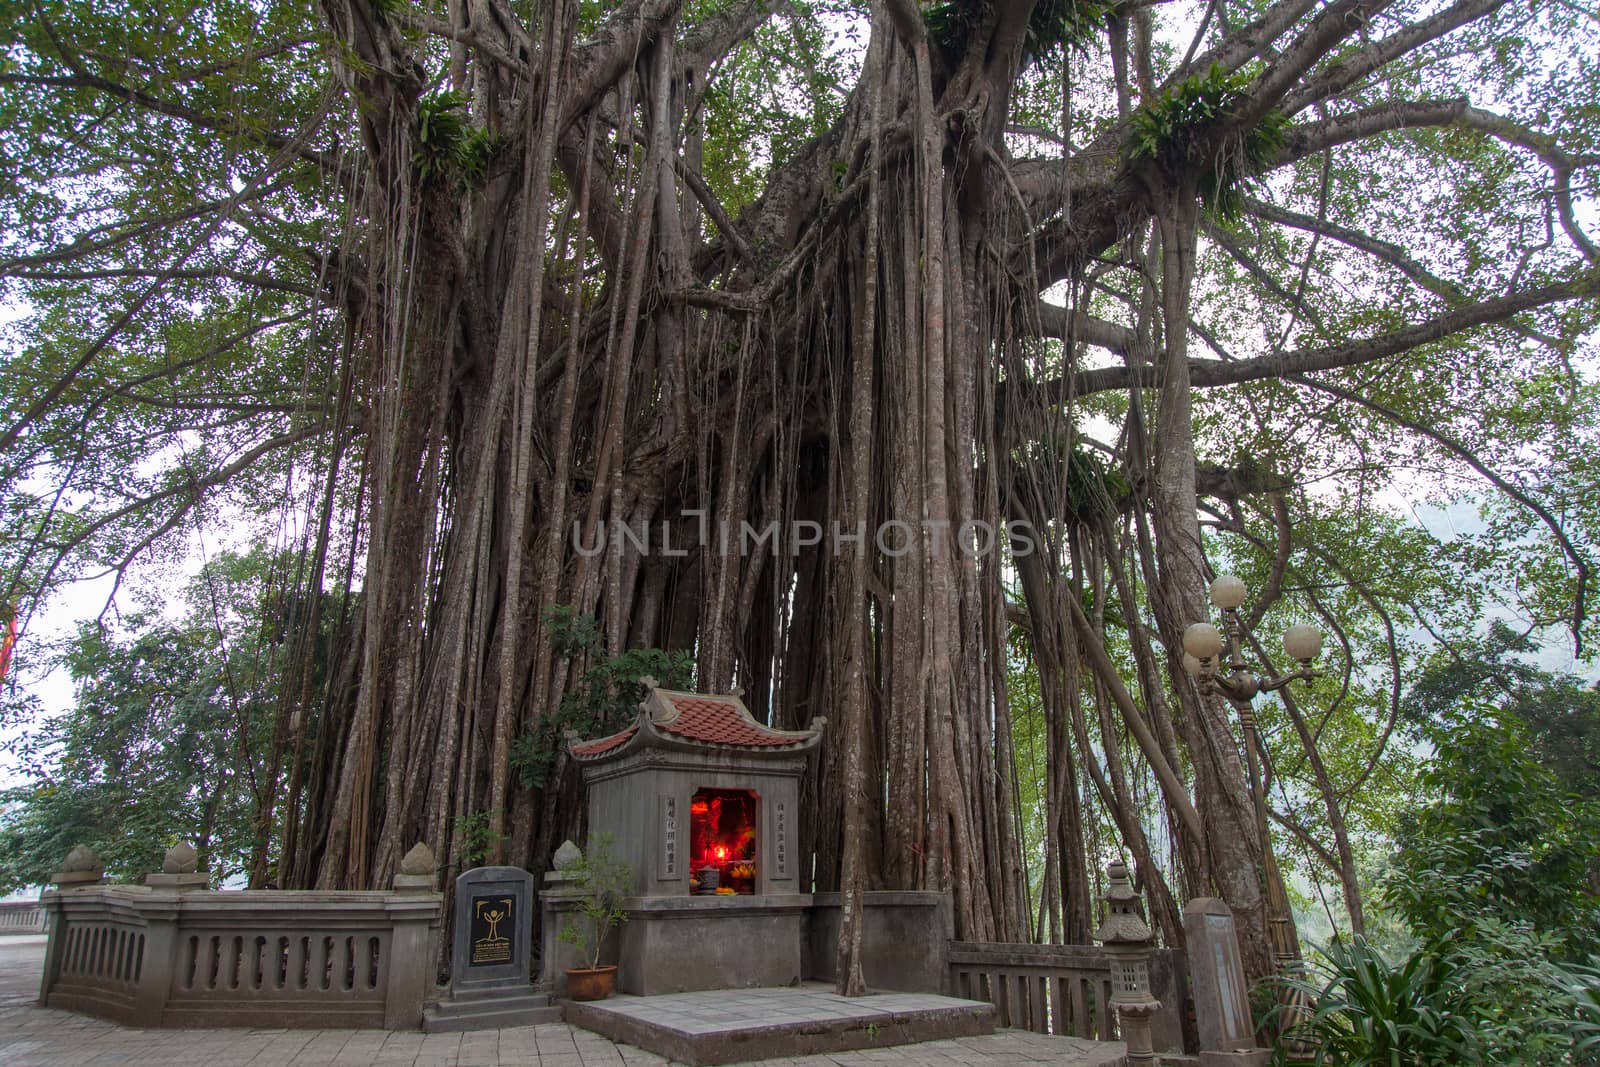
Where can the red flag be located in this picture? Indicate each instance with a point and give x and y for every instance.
(7, 642)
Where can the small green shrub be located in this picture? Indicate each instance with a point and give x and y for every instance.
(604, 881)
(475, 836)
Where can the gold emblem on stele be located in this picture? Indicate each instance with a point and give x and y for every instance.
(493, 948)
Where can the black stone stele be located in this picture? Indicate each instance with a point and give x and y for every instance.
(490, 956)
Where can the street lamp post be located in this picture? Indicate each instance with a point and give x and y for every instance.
(1216, 659)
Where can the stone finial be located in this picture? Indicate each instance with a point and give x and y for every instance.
(566, 856)
(419, 870)
(180, 859)
(81, 867)
(179, 871)
(419, 860)
(81, 860)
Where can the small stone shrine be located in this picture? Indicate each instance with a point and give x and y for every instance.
(491, 953)
(1216, 975)
(701, 800)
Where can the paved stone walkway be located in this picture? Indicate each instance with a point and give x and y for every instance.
(37, 1037)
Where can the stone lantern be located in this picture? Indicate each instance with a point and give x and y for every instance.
(1126, 937)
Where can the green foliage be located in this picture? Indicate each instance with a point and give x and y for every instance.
(603, 880)
(166, 742)
(1090, 485)
(1585, 988)
(604, 700)
(475, 836)
(1173, 131)
(1070, 24)
(1495, 999)
(1558, 714)
(1503, 844)
(448, 146)
(1369, 1012)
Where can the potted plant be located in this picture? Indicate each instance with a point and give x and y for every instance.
(602, 882)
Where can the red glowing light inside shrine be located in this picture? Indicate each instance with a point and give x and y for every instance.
(722, 840)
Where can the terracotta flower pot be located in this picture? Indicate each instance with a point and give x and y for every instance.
(591, 983)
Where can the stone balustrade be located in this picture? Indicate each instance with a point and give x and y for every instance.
(175, 957)
(21, 917)
(1063, 989)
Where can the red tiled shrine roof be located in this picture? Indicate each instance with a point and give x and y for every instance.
(720, 722)
(605, 744)
(700, 719)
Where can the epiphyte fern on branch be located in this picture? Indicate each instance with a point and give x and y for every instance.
(1175, 132)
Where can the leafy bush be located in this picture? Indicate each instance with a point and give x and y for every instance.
(1584, 985)
(1368, 1011)
(1503, 845)
(603, 701)
(604, 882)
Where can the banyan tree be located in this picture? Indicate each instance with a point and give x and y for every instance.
(858, 358)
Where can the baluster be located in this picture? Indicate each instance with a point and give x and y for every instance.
(256, 952)
(324, 963)
(1060, 1017)
(232, 948)
(1082, 1024)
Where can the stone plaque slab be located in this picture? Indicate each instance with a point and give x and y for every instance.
(668, 866)
(780, 839)
(493, 931)
(1216, 973)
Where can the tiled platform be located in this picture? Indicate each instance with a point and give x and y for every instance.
(735, 1025)
(38, 1037)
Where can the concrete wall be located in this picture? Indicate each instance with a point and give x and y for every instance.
(676, 944)
(904, 941)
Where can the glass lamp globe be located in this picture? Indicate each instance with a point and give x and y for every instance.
(1202, 641)
(1227, 592)
(1192, 665)
(1302, 642)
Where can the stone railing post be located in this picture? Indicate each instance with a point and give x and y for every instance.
(413, 908)
(81, 868)
(160, 913)
(555, 900)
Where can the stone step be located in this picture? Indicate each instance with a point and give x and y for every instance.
(734, 1025)
(488, 1012)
